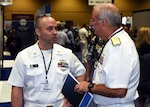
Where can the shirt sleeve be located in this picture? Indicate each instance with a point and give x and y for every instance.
(16, 77)
(77, 68)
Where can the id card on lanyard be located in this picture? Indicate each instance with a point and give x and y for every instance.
(46, 87)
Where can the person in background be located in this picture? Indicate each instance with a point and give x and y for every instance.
(83, 34)
(62, 37)
(126, 28)
(144, 85)
(133, 32)
(116, 77)
(142, 41)
(13, 43)
(94, 51)
(5, 39)
(39, 71)
(68, 31)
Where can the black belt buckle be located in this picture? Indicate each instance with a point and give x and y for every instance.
(49, 106)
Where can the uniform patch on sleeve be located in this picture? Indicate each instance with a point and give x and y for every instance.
(115, 41)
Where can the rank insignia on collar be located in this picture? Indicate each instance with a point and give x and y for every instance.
(115, 41)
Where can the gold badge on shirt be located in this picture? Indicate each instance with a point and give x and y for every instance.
(115, 41)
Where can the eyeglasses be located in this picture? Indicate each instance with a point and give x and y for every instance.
(92, 21)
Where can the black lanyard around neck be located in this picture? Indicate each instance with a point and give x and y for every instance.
(46, 70)
(109, 39)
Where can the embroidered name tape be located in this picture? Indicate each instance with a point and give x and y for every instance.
(33, 65)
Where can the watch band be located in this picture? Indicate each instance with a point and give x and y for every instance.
(90, 86)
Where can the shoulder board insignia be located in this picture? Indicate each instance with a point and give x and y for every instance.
(115, 41)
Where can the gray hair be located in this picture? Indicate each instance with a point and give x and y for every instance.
(110, 13)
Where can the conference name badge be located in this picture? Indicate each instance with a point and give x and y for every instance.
(46, 87)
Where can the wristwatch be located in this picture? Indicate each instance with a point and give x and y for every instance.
(90, 86)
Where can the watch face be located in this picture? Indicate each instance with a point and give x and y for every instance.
(91, 85)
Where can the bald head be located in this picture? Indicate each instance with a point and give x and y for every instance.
(42, 19)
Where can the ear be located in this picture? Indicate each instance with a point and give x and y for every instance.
(37, 31)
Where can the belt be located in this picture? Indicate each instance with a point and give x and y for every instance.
(128, 104)
(32, 104)
(49, 106)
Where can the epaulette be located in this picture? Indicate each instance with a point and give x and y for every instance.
(115, 41)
